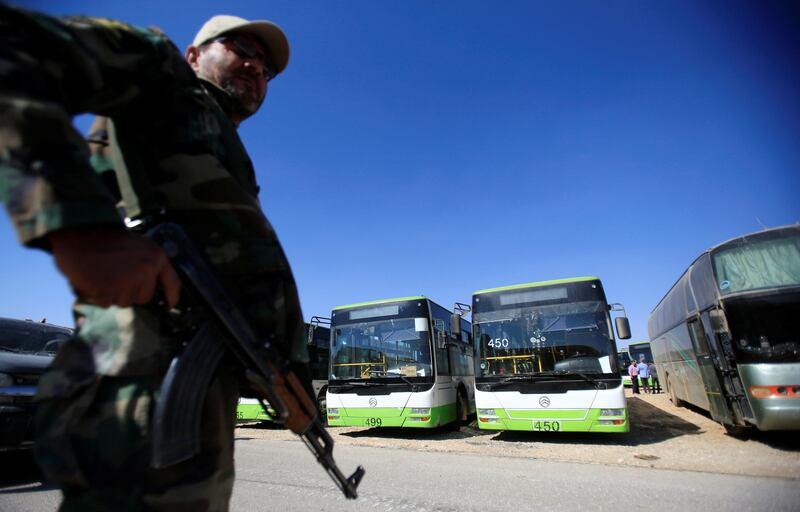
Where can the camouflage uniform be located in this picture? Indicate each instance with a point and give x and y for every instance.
(175, 148)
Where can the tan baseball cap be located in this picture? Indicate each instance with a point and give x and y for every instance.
(267, 32)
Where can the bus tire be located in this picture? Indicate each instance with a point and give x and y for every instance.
(673, 397)
(737, 431)
(461, 410)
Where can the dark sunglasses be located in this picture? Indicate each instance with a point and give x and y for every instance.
(246, 49)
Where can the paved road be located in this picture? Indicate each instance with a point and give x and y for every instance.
(282, 475)
(402, 480)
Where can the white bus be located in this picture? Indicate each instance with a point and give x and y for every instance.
(397, 363)
(547, 359)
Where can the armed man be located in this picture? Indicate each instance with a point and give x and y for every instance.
(174, 146)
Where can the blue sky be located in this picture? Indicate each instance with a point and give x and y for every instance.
(438, 148)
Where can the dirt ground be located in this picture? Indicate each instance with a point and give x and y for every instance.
(661, 436)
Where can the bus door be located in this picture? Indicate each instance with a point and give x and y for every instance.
(725, 360)
(718, 405)
(445, 388)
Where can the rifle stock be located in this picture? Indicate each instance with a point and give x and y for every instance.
(266, 371)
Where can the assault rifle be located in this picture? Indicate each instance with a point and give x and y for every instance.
(178, 411)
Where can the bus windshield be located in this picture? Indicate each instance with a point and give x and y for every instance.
(640, 352)
(573, 337)
(752, 265)
(384, 349)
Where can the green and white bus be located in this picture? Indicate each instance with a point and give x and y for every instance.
(547, 358)
(726, 337)
(637, 351)
(318, 338)
(397, 363)
(319, 356)
(640, 351)
(623, 361)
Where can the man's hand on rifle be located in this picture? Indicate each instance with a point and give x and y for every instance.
(108, 266)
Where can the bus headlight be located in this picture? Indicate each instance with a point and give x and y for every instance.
(421, 410)
(486, 412)
(333, 411)
(612, 412)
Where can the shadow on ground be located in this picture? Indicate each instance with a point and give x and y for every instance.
(780, 440)
(242, 428)
(787, 440)
(18, 468)
(649, 425)
(423, 434)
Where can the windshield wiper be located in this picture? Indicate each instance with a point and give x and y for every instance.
(569, 373)
(521, 377)
(405, 379)
(381, 373)
(546, 376)
(357, 384)
(11, 349)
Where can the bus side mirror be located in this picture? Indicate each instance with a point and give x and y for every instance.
(455, 325)
(623, 327)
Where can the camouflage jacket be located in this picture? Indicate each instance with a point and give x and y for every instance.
(174, 149)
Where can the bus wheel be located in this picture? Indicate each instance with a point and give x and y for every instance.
(461, 410)
(673, 397)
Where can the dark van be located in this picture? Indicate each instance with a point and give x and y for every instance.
(26, 349)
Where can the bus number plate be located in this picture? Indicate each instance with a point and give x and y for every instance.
(373, 422)
(547, 426)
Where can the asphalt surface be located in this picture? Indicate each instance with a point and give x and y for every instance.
(673, 458)
(279, 475)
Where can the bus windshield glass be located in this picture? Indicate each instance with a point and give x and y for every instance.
(640, 352)
(569, 337)
(397, 348)
(760, 264)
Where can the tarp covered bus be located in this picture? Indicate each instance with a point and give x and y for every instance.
(726, 337)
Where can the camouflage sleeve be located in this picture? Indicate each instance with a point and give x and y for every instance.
(50, 70)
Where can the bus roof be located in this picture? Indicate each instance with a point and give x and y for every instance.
(383, 301)
(538, 283)
(756, 234)
(719, 246)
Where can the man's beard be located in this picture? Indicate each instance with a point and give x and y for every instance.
(244, 101)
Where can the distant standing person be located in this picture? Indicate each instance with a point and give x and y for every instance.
(651, 368)
(644, 376)
(633, 371)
